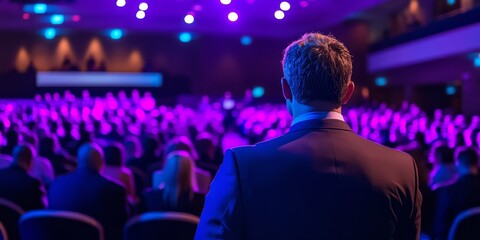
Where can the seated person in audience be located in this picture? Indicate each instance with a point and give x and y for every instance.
(86, 191)
(42, 169)
(176, 191)
(19, 187)
(116, 170)
(202, 177)
(5, 160)
(206, 153)
(460, 195)
(60, 163)
(150, 149)
(133, 148)
(12, 138)
(444, 170)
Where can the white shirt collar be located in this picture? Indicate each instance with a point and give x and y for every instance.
(318, 116)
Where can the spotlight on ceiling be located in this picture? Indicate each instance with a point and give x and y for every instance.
(40, 8)
(233, 17)
(140, 14)
(279, 14)
(285, 6)
(143, 6)
(226, 2)
(50, 33)
(116, 34)
(189, 19)
(246, 40)
(381, 81)
(185, 37)
(57, 19)
(121, 3)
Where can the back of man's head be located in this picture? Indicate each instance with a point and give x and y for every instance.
(23, 156)
(317, 68)
(90, 156)
(467, 157)
(444, 154)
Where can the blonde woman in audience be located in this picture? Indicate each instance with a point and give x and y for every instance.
(176, 190)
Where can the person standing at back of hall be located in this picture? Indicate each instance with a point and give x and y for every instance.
(320, 180)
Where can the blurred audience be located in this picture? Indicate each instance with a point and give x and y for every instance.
(137, 132)
(460, 195)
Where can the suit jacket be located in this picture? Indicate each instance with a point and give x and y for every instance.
(453, 199)
(86, 191)
(19, 187)
(152, 201)
(319, 181)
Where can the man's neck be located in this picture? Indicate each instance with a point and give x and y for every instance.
(300, 109)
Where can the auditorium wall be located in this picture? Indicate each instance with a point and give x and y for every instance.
(214, 64)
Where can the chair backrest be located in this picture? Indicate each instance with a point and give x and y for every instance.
(10, 213)
(59, 225)
(161, 225)
(466, 225)
(3, 232)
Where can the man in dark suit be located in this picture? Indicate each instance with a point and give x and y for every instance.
(320, 180)
(460, 195)
(86, 191)
(19, 187)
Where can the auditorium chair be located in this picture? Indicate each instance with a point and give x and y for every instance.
(161, 226)
(466, 225)
(59, 225)
(10, 213)
(3, 232)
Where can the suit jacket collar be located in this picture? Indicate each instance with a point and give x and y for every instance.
(316, 124)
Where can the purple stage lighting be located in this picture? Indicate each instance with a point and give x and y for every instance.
(226, 2)
(189, 19)
(279, 14)
(233, 16)
(285, 6)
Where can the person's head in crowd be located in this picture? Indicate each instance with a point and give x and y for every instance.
(114, 155)
(150, 146)
(31, 126)
(475, 137)
(181, 143)
(46, 146)
(12, 138)
(133, 147)
(23, 156)
(442, 154)
(178, 177)
(31, 139)
(317, 74)
(466, 161)
(420, 139)
(205, 147)
(90, 156)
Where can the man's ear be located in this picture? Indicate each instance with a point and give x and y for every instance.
(349, 92)
(287, 91)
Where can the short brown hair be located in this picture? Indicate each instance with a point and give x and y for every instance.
(317, 67)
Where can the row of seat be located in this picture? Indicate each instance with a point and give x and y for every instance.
(61, 225)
